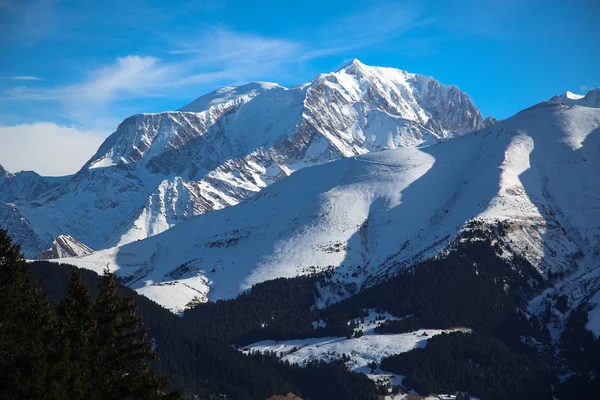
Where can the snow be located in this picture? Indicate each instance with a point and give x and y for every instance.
(362, 351)
(103, 163)
(591, 99)
(65, 246)
(594, 316)
(366, 216)
(372, 320)
(180, 295)
(158, 169)
(229, 95)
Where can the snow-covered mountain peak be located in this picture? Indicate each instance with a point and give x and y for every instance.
(355, 62)
(159, 169)
(567, 97)
(229, 94)
(359, 69)
(367, 107)
(572, 95)
(355, 67)
(590, 99)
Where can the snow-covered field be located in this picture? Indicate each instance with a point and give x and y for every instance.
(360, 352)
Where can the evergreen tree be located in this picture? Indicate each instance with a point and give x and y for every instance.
(121, 351)
(77, 324)
(27, 330)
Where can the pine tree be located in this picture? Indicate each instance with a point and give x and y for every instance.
(122, 352)
(77, 324)
(27, 330)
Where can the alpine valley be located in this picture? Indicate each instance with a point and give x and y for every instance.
(371, 217)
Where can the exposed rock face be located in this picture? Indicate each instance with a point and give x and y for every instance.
(24, 185)
(63, 247)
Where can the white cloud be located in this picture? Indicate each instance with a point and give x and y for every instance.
(128, 76)
(583, 88)
(221, 45)
(24, 78)
(131, 75)
(46, 148)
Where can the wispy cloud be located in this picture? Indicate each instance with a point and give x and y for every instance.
(378, 23)
(127, 76)
(222, 54)
(23, 78)
(216, 56)
(228, 56)
(222, 45)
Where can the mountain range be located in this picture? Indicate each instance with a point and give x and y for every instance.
(383, 169)
(157, 170)
(530, 180)
(370, 218)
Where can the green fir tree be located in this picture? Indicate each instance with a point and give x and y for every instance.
(122, 352)
(27, 331)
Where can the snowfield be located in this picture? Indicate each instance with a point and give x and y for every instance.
(366, 216)
(360, 352)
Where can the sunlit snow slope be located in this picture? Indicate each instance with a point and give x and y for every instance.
(159, 169)
(366, 216)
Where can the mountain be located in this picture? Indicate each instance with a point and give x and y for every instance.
(567, 97)
(65, 246)
(591, 99)
(157, 170)
(530, 181)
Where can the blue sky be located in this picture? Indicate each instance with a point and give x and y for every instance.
(72, 70)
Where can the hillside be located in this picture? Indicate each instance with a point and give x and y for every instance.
(531, 178)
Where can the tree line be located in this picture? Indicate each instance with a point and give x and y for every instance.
(87, 347)
(470, 286)
(42, 360)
